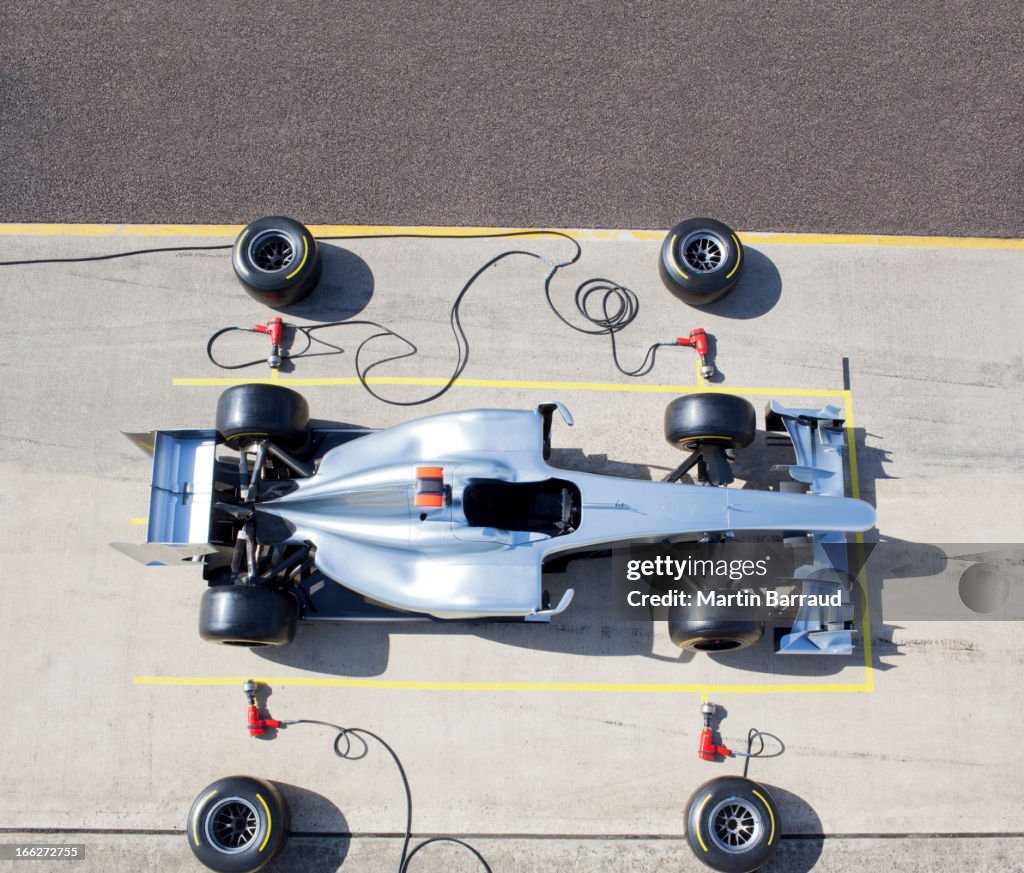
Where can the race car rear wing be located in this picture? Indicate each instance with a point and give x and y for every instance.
(181, 497)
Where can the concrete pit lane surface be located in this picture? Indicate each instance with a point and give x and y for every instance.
(569, 746)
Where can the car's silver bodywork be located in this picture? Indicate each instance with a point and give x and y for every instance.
(359, 511)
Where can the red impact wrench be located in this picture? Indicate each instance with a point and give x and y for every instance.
(708, 750)
(257, 725)
(699, 340)
(274, 328)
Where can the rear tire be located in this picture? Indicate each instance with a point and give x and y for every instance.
(733, 824)
(238, 824)
(247, 615)
(701, 260)
(258, 411)
(710, 419)
(277, 260)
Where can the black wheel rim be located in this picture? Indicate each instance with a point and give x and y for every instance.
(271, 251)
(232, 825)
(704, 252)
(736, 825)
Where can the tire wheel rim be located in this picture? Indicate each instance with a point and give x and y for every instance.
(735, 825)
(271, 251)
(704, 251)
(232, 825)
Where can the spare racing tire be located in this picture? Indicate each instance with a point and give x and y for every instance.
(277, 260)
(238, 824)
(733, 824)
(710, 419)
(701, 260)
(258, 411)
(247, 615)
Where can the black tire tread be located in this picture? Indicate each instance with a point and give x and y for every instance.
(281, 288)
(708, 634)
(252, 615)
(710, 418)
(260, 410)
(704, 288)
(704, 799)
(275, 813)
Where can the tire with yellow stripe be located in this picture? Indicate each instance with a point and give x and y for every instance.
(709, 418)
(277, 260)
(701, 260)
(733, 824)
(238, 824)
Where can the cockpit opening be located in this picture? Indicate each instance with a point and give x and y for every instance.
(550, 507)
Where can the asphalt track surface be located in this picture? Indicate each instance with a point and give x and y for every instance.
(863, 117)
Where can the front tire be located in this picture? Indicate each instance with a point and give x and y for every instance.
(733, 824)
(277, 260)
(696, 629)
(701, 260)
(238, 824)
(710, 419)
(247, 615)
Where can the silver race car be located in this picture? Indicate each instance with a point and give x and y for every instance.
(456, 516)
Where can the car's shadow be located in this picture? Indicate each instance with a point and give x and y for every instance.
(589, 628)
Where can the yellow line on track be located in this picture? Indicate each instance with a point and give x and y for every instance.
(320, 230)
(514, 383)
(415, 685)
(865, 630)
(866, 239)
